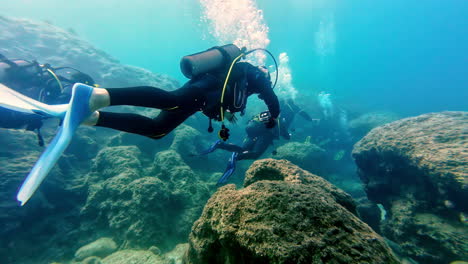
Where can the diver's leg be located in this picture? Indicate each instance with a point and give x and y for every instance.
(155, 128)
(230, 147)
(225, 146)
(260, 146)
(145, 96)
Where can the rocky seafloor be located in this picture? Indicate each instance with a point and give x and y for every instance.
(121, 198)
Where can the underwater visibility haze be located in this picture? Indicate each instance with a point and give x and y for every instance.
(316, 131)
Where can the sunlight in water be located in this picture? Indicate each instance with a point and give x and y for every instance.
(239, 22)
(285, 87)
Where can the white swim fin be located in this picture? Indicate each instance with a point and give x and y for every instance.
(14, 100)
(77, 111)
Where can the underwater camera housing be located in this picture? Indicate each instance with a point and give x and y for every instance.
(264, 117)
(209, 60)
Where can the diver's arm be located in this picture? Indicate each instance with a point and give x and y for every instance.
(271, 100)
(305, 115)
(260, 83)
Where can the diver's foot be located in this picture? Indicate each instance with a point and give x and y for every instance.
(231, 167)
(211, 148)
(92, 119)
(79, 108)
(100, 98)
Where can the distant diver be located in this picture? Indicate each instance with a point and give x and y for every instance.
(219, 86)
(41, 82)
(258, 137)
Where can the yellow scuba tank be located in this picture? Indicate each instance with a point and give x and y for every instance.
(216, 58)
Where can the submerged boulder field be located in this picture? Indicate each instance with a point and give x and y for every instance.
(283, 215)
(417, 168)
(74, 205)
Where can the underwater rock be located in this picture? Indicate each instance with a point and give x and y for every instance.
(370, 213)
(305, 154)
(48, 227)
(286, 219)
(92, 260)
(99, 248)
(113, 161)
(283, 170)
(27, 230)
(186, 140)
(417, 169)
(155, 250)
(361, 125)
(176, 256)
(133, 257)
(145, 207)
(46, 43)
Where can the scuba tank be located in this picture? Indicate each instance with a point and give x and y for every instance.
(214, 59)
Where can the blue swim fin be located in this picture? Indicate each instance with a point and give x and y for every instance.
(16, 101)
(231, 167)
(211, 148)
(78, 110)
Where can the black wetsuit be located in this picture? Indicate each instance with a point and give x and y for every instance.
(199, 94)
(40, 82)
(259, 138)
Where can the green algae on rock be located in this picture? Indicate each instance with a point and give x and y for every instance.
(133, 257)
(99, 248)
(283, 219)
(417, 168)
(145, 207)
(305, 154)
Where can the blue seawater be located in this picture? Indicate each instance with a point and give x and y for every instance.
(408, 56)
(361, 62)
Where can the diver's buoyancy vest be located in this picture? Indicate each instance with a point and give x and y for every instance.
(235, 96)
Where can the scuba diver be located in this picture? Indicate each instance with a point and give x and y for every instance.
(259, 138)
(40, 82)
(218, 89)
(219, 86)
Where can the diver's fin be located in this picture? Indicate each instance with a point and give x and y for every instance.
(231, 167)
(77, 112)
(16, 101)
(211, 148)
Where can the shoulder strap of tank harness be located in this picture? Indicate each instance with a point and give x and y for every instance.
(242, 55)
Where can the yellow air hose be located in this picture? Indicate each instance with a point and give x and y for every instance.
(225, 85)
(56, 78)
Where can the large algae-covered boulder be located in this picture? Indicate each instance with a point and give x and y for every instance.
(305, 154)
(144, 207)
(27, 230)
(297, 218)
(418, 169)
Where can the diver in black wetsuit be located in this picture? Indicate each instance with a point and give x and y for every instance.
(204, 92)
(38, 81)
(259, 138)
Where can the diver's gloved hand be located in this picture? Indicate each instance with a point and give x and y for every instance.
(231, 167)
(271, 123)
(211, 148)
